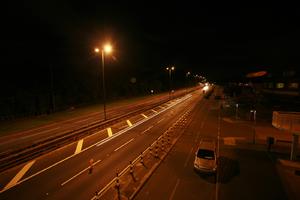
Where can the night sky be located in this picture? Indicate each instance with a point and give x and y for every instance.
(220, 42)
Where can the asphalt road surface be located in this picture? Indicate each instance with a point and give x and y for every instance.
(64, 173)
(244, 172)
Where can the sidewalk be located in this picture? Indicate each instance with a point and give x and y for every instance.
(289, 171)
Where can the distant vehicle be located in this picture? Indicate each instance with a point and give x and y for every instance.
(205, 157)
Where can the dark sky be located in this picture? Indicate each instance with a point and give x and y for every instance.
(218, 42)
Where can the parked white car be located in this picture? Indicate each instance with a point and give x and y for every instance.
(205, 157)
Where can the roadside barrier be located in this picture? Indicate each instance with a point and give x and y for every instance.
(131, 179)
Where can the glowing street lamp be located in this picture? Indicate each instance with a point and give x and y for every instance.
(170, 69)
(107, 49)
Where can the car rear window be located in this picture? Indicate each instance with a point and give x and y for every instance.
(206, 154)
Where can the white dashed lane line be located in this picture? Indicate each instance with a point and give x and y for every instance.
(124, 144)
(147, 129)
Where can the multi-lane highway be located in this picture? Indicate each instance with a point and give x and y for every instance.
(243, 173)
(21, 138)
(64, 174)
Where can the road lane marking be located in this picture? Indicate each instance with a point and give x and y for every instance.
(162, 107)
(79, 173)
(154, 110)
(95, 144)
(19, 175)
(144, 115)
(124, 144)
(160, 120)
(174, 189)
(188, 158)
(147, 129)
(79, 146)
(83, 120)
(129, 123)
(109, 132)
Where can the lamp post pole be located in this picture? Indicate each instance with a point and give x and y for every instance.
(170, 69)
(106, 49)
(103, 85)
(254, 124)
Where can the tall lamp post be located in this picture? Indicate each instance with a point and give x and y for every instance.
(107, 48)
(187, 81)
(170, 69)
(254, 123)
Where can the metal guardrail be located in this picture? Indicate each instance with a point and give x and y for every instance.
(16, 157)
(158, 150)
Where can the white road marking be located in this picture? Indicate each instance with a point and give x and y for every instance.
(154, 110)
(144, 115)
(174, 189)
(109, 132)
(96, 144)
(79, 146)
(162, 107)
(160, 120)
(129, 123)
(79, 173)
(124, 144)
(147, 129)
(19, 175)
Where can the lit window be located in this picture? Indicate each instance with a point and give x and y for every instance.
(280, 85)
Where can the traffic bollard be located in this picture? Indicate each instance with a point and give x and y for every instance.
(118, 186)
(156, 151)
(131, 171)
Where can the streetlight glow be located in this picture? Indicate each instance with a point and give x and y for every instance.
(107, 48)
(96, 50)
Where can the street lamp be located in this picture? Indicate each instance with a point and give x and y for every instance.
(170, 69)
(254, 123)
(236, 111)
(107, 49)
(187, 81)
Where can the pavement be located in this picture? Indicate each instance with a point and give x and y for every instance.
(289, 171)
